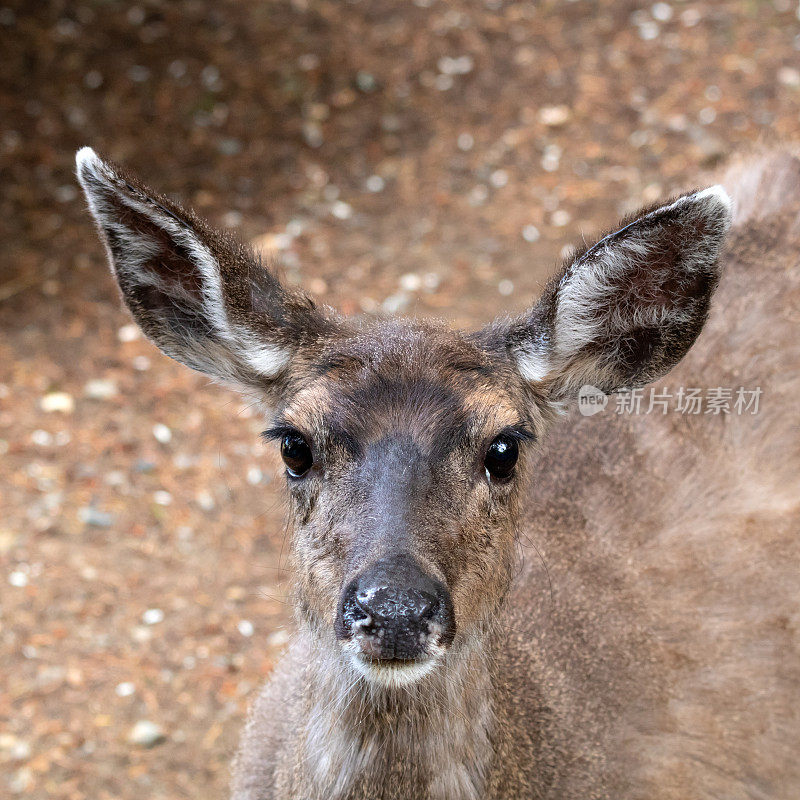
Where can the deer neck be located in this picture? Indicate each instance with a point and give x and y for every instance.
(432, 739)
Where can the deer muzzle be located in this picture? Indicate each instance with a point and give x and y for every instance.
(393, 613)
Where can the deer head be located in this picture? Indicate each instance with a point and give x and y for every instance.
(406, 443)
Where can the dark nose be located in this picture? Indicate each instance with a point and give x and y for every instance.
(395, 610)
(385, 604)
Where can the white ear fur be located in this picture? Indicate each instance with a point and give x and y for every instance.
(596, 299)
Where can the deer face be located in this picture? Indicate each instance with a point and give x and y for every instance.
(406, 443)
(404, 453)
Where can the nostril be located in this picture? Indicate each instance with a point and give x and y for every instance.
(385, 604)
(422, 609)
(363, 598)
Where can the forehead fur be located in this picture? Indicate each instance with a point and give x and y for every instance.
(414, 377)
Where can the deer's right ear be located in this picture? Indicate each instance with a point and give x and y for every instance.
(623, 312)
(200, 296)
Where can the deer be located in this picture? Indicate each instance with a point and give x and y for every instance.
(495, 596)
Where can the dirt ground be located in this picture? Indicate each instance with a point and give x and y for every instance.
(422, 157)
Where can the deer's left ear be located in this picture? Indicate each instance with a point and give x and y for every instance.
(627, 309)
(200, 296)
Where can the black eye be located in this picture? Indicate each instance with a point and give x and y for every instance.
(501, 457)
(296, 454)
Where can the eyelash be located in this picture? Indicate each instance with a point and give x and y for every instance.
(276, 433)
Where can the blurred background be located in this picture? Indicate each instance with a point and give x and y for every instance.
(426, 157)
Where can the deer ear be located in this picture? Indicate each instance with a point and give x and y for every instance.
(627, 309)
(200, 296)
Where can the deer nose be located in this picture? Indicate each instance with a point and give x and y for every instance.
(386, 604)
(394, 610)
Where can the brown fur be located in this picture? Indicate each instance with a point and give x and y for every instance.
(656, 656)
(626, 613)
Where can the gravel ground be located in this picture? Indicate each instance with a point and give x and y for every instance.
(425, 158)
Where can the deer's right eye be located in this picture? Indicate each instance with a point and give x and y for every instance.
(296, 454)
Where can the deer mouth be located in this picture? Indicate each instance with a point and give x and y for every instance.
(395, 620)
(393, 672)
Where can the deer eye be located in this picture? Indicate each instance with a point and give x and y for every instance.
(296, 454)
(501, 457)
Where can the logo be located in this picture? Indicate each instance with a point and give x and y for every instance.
(591, 400)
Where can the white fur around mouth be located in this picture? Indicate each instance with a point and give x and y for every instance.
(393, 673)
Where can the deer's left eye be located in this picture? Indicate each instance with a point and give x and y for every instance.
(296, 454)
(501, 457)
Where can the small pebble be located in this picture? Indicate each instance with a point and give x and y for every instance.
(498, 178)
(278, 638)
(391, 123)
(205, 500)
(128, 333)
(141, 634)
(90, 515)
(312, 133)
(554, 116)
(57, 401)
(707, 115)
(100, 389)
(162, 433)
(308, 61)
(366, 82)
(153, 616)
(648, 31)
(177, 68)
(146, 734)
(235, 593)
(93, 79)
(465, 142)
(342, 210)
(789, 76)
(162, 498)
(410, 282)
(567, 252)
(462, 65)
(443, 82)
(42, 438)
(477, 195)
(395, 303)
(138, 73)
(210, 76)
(21, 781)
(690, 17)
(16, 748)
(530, 233)
(431, 281)
(66, 193)
(295, 227)
(662, 12)
(18, 579)
(505, 287)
